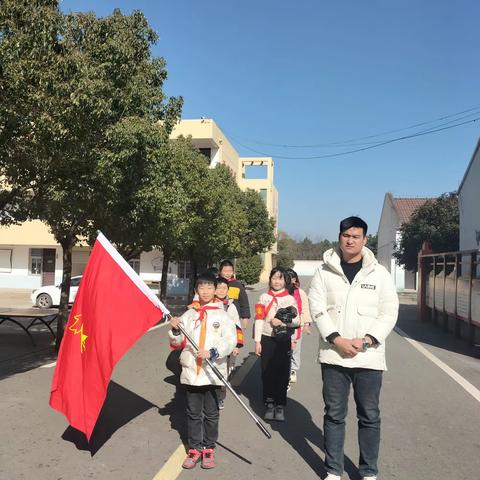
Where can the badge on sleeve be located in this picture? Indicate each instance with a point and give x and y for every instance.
(259, 311)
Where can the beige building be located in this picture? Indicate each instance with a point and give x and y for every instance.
(30, 257)
(207, 136)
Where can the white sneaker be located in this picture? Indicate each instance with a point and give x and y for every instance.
(331, 476)
(293, 376)
(369, 478)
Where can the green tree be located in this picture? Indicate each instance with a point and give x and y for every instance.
(219, 223)
(287, 250)
(65, 82)
(184, 214)
(248, 269)
(259, 233)
(372, 243)
(437, 221)
(133, 186)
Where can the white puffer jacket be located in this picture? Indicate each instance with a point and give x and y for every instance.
(221, 334)
(368, 305)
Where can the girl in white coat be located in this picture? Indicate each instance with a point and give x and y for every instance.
(275, 317)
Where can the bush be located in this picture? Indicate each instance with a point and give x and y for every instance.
(248, 269)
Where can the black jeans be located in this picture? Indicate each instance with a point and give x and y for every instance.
(276, 359)
(366, 390)
(202, 416)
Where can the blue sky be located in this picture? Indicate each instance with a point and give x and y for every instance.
(313, 72)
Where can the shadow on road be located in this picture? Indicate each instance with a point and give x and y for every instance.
(18, 355)
(175, 408)
(299, 430)
(427, 332)
(121, 407)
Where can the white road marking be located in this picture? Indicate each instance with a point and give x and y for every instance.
(465, 384)
(173, 466)
(48, 365)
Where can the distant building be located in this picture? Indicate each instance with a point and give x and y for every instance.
(395, 212)
(469, 204)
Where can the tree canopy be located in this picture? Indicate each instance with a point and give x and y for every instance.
(68, 84)
(290, 249)
(437, 221)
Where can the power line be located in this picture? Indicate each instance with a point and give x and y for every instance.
(376, 145)
(347, 143)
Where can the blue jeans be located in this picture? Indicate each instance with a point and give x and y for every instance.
(366, 390)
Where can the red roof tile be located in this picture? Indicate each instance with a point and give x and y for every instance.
(406, 206)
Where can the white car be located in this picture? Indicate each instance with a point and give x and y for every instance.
(49, 296)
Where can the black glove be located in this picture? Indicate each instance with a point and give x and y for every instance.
(286, 314)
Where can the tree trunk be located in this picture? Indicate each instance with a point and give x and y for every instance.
(163, 283)
(193, 276)
(62, 318)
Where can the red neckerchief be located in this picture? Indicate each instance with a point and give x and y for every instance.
(202, 311)
(274, 299)
(232, 279)
(222, 300)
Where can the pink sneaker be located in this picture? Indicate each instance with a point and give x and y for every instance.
(193, 456)
(208, 458)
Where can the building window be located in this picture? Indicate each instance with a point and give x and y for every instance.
(36, 260)
(135, 264)
(184, 269)
(206, 152)
(263, 194)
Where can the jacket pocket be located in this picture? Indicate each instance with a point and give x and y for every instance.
(366, 318)
(367, 311)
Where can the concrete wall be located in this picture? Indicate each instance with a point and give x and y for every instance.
(306, 268)
(469, 206)
(28, 233)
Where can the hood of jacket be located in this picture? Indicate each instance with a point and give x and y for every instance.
(332, 258)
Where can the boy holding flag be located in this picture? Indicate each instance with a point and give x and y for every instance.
(210, 326)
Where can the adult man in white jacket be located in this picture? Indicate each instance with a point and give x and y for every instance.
(354, 304)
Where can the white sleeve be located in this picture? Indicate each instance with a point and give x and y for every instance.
(228, 339)
(185, 319)
(387, 310)
(317, 297)
(233, 314)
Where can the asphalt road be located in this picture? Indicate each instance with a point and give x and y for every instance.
(430, 423)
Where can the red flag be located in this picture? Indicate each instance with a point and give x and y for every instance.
(112, 310)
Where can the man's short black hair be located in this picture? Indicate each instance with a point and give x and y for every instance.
(355, 222)
(206, 277)
(225, 263)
